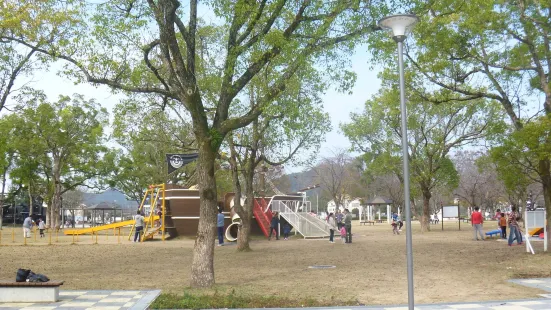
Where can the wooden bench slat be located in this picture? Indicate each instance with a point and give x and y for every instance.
(19, 284)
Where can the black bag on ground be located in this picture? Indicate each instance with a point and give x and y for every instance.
(37, 277)
(21, 275)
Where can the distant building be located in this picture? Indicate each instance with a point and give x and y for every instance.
(349, 204)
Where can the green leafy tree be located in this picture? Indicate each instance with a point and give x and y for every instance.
(518, 168)
(290, 131)
(157, 48)
(62, 143)
(433, 131)
(498, 50)
(42, 24)
(142, 161)
(7, 155)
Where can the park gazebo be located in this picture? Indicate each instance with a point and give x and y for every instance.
(377, 202)
(104, 213)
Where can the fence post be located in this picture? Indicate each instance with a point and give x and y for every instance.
(13, 234)
(49, 236)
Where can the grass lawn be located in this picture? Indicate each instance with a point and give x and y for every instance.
(449, 267)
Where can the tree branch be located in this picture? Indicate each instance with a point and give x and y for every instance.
(92, 79)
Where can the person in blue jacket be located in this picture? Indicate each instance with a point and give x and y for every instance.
(220, 227)
(286, 231)
(273, 226)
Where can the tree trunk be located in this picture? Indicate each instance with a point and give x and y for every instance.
(243, 237)
(30, 200)
(2, 200)
(425, 217)
(56, 197)
(544, 167)
(202, 265)
(245, 230)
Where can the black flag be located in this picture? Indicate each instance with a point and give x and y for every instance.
(176, 161)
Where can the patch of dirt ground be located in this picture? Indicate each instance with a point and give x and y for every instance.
(448, 265)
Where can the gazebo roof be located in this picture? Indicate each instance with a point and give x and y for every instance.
(105, 206)
(379, 201)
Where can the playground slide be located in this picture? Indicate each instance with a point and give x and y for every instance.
(262, 217)
(89, 230)
(535, 231)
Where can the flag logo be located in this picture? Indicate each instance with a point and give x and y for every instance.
(176, 161)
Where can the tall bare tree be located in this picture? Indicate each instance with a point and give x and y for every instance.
(333, 174)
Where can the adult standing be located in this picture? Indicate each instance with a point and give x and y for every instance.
(27, 225)
(332, 228)
(220, 227)
(476, 221)
(514, 231)
(348, 225)
(273, 226)
(340, 217)
(498, 217)
(139, 222)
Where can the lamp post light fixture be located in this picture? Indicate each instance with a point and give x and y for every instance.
(400, 25)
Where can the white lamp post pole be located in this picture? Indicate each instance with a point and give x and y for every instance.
(400, 25)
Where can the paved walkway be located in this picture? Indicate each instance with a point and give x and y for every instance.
(83, 300)
(140, 300)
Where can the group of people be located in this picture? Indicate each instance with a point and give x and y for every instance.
(503, 220)
(342, 223)
(274, 224)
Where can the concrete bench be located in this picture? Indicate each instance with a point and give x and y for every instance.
(367, 222)
(11, 291)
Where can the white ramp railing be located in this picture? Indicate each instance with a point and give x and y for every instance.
(304, 223)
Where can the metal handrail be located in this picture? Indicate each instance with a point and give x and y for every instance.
(288, 211)
(316, 224)
(327, 226)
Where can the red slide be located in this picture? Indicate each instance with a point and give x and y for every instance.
(263, 218)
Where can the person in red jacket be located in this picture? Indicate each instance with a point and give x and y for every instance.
(477, 220)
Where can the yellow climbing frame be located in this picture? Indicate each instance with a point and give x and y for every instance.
(154, 193)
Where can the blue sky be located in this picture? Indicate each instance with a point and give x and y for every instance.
(338, 105)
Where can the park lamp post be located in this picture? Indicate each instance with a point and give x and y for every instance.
(400, 25)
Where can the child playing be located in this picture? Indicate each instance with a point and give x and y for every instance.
(343, 234)
(286, 231)
(503, 225)
(41, 227)
(395, 228)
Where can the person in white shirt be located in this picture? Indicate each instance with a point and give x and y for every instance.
(27, 225)
(139, 225)
(41, 227)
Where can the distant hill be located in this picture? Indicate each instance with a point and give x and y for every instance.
(109, 196)
(299, 180)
